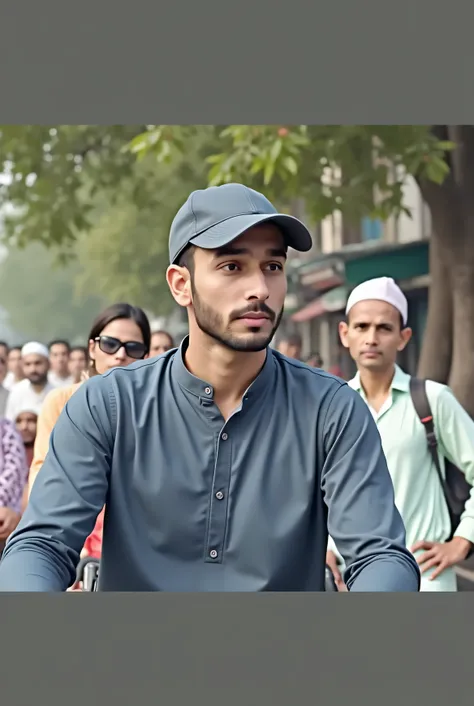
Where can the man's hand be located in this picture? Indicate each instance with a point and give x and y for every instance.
(331, 561)
(442, 555)
(9, 519)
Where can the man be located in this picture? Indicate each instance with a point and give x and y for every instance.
(33, 389)
(15, 371)
(314, 360)
(59, 364)
(26, 425)
(78, 362)
(223, 463)
(375, 332)
(291, 346)
(161, 342)
(4, 350)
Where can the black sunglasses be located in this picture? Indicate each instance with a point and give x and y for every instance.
(109, 345)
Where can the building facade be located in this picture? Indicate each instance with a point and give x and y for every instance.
(344, 255)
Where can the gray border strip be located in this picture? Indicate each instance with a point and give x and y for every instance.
(347, 62)
(342, 62)
(237, 649)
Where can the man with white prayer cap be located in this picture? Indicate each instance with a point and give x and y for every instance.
(31, 391)
(375, 331)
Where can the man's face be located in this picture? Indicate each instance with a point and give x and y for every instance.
(291, 350)
(374, 335)
(14, 363)
(160, 343)
(3, 365)
(59, 359)
(35, 368)
(77, 364)
(26, 426)
(237, 293)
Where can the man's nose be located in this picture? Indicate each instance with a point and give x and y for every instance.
(371, 338)
(257, 287)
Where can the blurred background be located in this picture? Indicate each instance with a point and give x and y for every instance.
(86, 210)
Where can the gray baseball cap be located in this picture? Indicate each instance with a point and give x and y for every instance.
(212, 218)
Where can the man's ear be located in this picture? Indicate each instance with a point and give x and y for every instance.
(406, 335)
(343, 331)
(179, 282)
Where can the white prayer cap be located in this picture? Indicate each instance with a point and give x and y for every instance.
(381, 289)
(34, 348)
(30, 407)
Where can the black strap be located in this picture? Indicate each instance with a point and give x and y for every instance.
(423, 410)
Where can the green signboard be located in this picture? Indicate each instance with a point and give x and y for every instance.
(400, 263)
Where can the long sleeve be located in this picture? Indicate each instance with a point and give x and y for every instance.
(68, 495)
(363, 520)
(14, 471)
(48, 416)
(455, 431)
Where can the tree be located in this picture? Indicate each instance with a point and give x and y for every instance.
(359, 170)
(40, 297)
(124, 255)
(59, 173)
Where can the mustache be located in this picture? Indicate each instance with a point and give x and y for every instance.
(260, 308)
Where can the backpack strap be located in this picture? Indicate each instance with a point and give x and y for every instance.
(423, 410)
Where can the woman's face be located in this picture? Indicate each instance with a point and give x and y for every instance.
(124, 330)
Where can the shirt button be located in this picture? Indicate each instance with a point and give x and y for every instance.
(207, 390)
(220, 495)
(224, 436)
(213, 554)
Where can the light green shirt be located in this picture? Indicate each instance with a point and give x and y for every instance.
(418, 493)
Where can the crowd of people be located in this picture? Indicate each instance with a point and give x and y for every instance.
(229, 462)
(37, 380)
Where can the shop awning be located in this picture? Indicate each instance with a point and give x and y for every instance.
(334, 300)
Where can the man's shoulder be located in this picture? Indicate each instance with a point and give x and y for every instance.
(312, 378)
(60, 395)
(19, 388)
(137, 372)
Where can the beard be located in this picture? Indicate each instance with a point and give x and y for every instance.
(212, 324)
(38, 378)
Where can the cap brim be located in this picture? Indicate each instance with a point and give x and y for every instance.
(296, 235)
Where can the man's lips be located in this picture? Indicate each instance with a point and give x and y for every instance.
(254, 319)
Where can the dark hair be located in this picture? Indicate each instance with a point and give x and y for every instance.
(15, 348)
(82, 349)
(59, 342)
(122, 311)
(186, 259)
(5, 345)
(162, 332)
(293, 339)
(316, 357)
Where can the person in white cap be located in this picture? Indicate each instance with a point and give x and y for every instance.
(375, 331)
(31, 391)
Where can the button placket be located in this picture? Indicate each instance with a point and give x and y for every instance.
(217, 525)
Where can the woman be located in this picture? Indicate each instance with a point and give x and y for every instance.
(120, 335)
(13, 478)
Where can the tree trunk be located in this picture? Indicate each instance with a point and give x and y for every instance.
(452, 274)
(461, 379)
(435, 356)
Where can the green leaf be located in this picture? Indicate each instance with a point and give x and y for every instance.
(445, 146)
(291, 165)
(275, 150)
(436, 170)
(268, 173)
